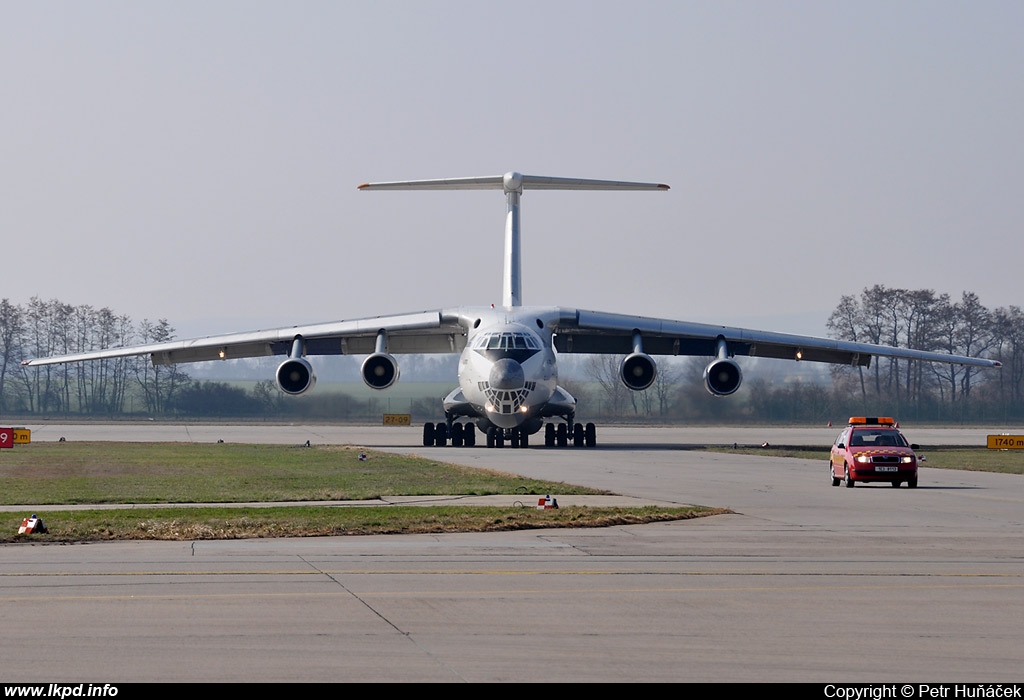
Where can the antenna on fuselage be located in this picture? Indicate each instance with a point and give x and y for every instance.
(513, 184)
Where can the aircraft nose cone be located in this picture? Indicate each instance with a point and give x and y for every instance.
(507, 374)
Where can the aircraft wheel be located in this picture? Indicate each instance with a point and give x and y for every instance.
(490, 437)
(590, 435)
(549, 435)
(524, 439)
(457, 435)
(577, 435)
(562, 435)
(469, 435)
(441, 434)
(428, 434)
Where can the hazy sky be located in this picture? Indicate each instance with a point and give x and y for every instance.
(198, 161)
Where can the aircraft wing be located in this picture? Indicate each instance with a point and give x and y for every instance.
(582, 331)
(423, 332)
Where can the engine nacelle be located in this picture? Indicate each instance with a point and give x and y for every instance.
(295, 376)
(638, 371)
(380, 370)
(722, 377)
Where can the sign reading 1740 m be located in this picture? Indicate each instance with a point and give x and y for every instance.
(1006, 442)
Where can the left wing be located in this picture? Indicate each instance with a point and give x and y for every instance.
(584, 331)
(423, 332)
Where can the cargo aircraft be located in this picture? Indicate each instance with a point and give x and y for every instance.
(508, 371)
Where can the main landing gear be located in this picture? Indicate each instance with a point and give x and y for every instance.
(464, 435)
(559, 435)
(461, 434)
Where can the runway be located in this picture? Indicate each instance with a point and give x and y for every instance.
(804, 583)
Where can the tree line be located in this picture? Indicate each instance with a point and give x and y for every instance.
(923, 320)
(104, 387)
(911, 390)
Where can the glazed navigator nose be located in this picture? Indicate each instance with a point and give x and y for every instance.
(507, 375)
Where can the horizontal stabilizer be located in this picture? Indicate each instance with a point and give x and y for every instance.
(512, 182)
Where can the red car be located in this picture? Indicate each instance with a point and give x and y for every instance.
(873, 449)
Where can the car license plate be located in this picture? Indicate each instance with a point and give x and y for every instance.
(887, 469)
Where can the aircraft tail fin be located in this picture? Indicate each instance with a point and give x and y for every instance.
(513, 184)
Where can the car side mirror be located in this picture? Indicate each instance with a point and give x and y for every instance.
(841, 446)
(914, 446)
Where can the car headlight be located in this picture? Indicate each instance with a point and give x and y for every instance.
(862, 459)
(906, 459)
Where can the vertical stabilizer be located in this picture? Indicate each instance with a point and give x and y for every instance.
(512, 281)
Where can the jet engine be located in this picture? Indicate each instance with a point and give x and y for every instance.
(722, 377)
(295, 376)
(638, 371)
(380, 370)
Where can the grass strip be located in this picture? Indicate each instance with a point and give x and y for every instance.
(200, 523)
(109, 472)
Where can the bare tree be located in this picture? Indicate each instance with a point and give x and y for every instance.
(966, 329)
(847, 322)
(44, 386)
(1008, 343)
(604, 371)
(10, 343)
(666, 385)
(159, 383)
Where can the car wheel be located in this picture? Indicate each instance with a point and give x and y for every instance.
(849, 481)
(832, 473)
(912, 482)
(895, 484)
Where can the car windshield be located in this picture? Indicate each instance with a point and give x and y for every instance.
(877, 438)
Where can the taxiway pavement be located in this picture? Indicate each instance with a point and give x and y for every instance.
(805, 582)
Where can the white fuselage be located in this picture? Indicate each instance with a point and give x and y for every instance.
(508, 372)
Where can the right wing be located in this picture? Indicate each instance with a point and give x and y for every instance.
(423, 332)
(583, 331)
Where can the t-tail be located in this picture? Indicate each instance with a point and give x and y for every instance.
(513, 185)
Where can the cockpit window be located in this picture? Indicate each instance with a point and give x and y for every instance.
(506, 344)
(505, 341)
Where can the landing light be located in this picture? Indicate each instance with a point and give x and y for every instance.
(523, 409)
(223, 353)
(489, 408)
(799, 355)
